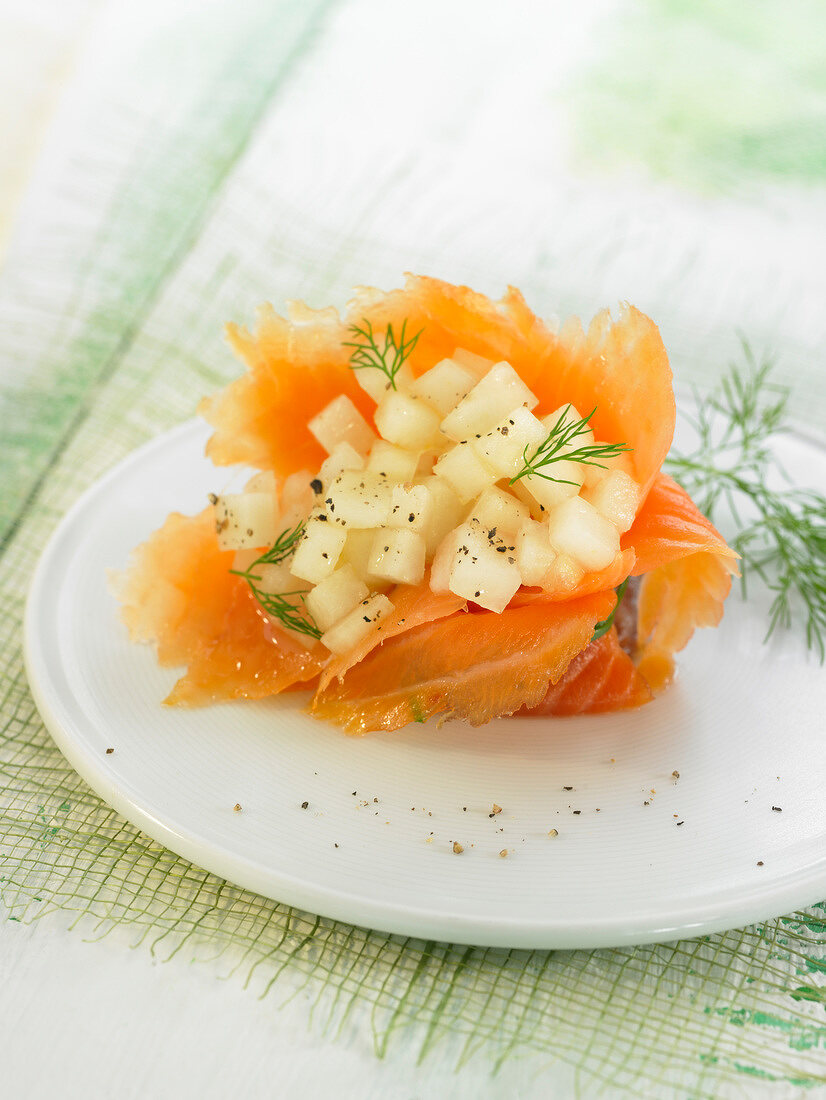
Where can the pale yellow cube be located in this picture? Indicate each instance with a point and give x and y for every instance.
(341, 422)
(407, 421)
(464, 471)
(398, 555)
(335, 596)
(576, 528)
(497, 394)
(365, 618)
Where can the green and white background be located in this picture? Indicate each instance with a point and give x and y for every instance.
(165, 166)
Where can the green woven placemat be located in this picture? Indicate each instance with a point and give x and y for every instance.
(110, 304)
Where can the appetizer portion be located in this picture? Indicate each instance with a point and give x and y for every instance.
(453, 502)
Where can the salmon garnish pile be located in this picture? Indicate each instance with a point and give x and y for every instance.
(437, 653)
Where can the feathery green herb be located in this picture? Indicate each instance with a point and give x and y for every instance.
(606, 624)
(782, 531)
(560, 446)
(388, 359)
(287, 607)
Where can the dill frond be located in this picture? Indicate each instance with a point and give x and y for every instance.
(557, 447)
(782, 532)
(387, 359)
(287, 607)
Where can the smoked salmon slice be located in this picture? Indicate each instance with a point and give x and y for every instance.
(177, 591)
(602, 677)
(474, 667)
(435, 654)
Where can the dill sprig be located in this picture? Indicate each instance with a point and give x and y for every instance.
(559, 446)
(388, 359)
(287, 607)
(782, 531)
(606, 624)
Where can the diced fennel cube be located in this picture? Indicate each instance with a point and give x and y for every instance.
(498, 511)
(318, 550)
(341, 422)
(443, 386)
(503, 448)
(335, 596)
(498, 393)
(397, 554)
(576, 528)
(411, 506)
(365, 618)
(534, 553)
(407, 421)
(245, 520)
(392, 462)
(464, 471)
(478, 365)
(343, 457)
(444, 512)
(616, 497)
(358, 498)
(484, 569)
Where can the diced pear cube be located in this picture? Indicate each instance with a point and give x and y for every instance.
(478, 365)
(274, 577)
(521, 491)
(617, 497)
(576, 528)
(567, 416)
(297, 499)
(411, 506)
(565, 482)
(245, 520)
(376, 384)
(341, 422)
(444, 386)
(392, 462)
(443, 514)
(318, 550)
(358, 498)
(406, 420)
(483, 570)
(464, 471)
(498, 511)
(343, 457)
(271, 577)
(397, 555)
(365, 618)
(534, 553)
(503, 448)
(262, 482)
(335, 596)
(564, 573)
(443, 560)
(498, 393)
(595, 474)
(356, 552)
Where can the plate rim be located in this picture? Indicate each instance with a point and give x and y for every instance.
(804, 888)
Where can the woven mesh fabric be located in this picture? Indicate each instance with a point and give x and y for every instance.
(110, 304)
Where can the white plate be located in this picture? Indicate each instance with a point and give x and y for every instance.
(742, 725)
